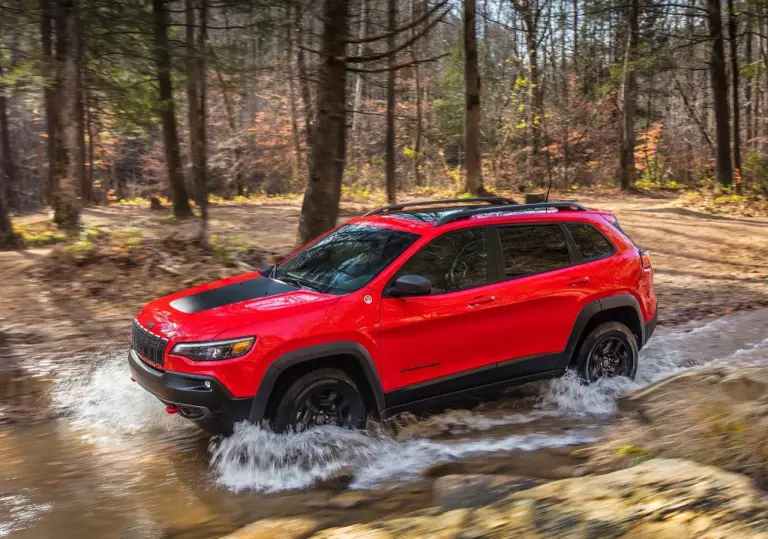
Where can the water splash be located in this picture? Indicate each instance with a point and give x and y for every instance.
(257, 459)
(18, 512)
(105, 399)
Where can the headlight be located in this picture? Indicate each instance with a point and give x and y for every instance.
(214, 350)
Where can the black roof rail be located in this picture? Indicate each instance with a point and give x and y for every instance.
(494, 201)
(463, 214)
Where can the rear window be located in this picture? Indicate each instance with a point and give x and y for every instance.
(590, 241)
(533, 249)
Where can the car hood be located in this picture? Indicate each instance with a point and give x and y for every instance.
(203, 312)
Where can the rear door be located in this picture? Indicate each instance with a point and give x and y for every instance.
(542, 291)
(453, 330)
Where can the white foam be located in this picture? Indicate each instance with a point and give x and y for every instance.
(18, 512)
(257, 459)
(107, 400)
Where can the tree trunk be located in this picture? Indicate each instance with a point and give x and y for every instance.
(238, 171)
(9, 167)
(535, 92)
(748, 87)
(195, 64)
(49, 93)
(357, 101)
(8, 177)
(320, 208)
(474, 179)
(720, 93)
(391, 76)
(734, 43)
(296, 164)
(181, 207)
(201, 185)
(89, 132)
(417, 93)
(66, 204)
(627, 158)
(306, 93)
(82, 177)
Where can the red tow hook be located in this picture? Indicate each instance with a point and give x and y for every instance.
(133, 379)
(171, 409)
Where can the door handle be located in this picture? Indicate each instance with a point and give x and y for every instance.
(481, 300)
(578, 280)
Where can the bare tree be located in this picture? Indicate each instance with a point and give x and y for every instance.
(719, 93)
(474, 179)
(321, 198)
(733, 40)
(181, 207)
(629, 99)
(66, 203)
(391, 181)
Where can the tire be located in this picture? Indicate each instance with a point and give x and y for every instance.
(321, 397)
(608, 350)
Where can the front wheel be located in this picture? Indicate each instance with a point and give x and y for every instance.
(321, 397)
(608, 351)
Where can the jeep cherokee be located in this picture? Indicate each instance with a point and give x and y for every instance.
(406, 306)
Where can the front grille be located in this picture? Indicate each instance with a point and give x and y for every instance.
(149, 346)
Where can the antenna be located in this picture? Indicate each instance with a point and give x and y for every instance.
(549, 187)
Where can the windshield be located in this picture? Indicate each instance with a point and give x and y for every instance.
(344, 260)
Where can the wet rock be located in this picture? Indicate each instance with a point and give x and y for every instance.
(347, 500)
(337, 481)
(714, 416)
(662, 498)
(276, 528)
(743, 386)
(445, 468)
(457, 491)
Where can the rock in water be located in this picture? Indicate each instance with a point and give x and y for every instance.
(456, 491)
(657, 499)
(276, 528)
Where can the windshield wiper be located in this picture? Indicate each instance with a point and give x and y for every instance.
(301, 282)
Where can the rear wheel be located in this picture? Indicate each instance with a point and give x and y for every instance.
(608, 351)
(321, 397)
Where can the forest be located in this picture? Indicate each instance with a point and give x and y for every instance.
(184, 100)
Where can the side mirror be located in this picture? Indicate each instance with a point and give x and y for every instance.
(410, 286)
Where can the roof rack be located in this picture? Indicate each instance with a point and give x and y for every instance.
(463, 214)
(493, 201)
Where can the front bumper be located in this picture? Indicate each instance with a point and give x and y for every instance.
(198, 397)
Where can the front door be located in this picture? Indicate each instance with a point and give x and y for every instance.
(453, 330)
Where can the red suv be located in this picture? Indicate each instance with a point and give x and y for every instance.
(403, 307)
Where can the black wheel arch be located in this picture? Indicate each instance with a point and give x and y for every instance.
(622, 308)
(350, 356)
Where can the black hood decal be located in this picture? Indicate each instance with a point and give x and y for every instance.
(259, 287)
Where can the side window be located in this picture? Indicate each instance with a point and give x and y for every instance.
(533, 249)
(455, 261)
(590, 241)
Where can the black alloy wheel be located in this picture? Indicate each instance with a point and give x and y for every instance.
(608, 351)
(321, 397)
